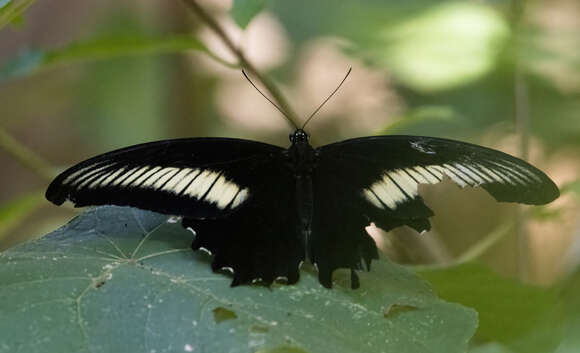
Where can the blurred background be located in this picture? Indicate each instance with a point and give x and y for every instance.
(80, 78)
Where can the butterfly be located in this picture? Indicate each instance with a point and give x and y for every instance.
(262, 210)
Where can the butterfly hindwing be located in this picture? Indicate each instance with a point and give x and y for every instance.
(259, 240)
(339, 238)
(197, 177)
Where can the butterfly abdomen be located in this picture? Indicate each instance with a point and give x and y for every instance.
(301, 159)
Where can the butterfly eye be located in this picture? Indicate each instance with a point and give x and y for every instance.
(291, 137)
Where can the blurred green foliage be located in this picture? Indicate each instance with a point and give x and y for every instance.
(101, 75)
(244, 10)
(11, 11)
(517, 315)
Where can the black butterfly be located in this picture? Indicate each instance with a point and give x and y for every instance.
(261, 209)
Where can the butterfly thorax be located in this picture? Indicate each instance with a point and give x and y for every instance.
(301, 159)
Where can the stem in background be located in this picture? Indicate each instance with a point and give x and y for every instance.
(522, 128)
(476, 250)
(522, 124)
(244, 63)
(24, 156)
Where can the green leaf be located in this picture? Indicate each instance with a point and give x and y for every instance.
(244, 11)
(101, 48)
(445, 46)
(426, 117)
(15, 211)
(517, 315)
(124, 280)
(11, 10)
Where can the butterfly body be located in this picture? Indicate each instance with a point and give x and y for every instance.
(262, 210)
(302, 161)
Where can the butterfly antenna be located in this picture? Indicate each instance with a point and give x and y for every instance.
(327, 98)
(268, 99)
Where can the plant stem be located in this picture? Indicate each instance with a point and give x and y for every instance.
(243, 61)
(25, 156)
(476, 250)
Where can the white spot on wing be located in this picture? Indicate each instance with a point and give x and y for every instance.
(383, 195)
(393, 190)
(456, 179)
(91, 182)
(491, 173)
(240, 197)
(146, 175)
(169, 173)
(173, 219)
(176, 180)
(222, 192)
(427, 175)
(471, 174)
(131, 176)
(201, 184)
(422, 147)
(153, 178)
(486, 178)
(387, 192)
(184, 183)
(525, 179)
(112, 177)
(419, 177)
(229, 269)
(85, 178)
(515, 175)
(437, 170)
(406, 183)
(205, 250)
(99, 180)
(73, 176)
(524, 170)
(90, 178)
(457, 176)
(372, 198)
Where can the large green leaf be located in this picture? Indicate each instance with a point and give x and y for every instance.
(124, 280)
(106, 47)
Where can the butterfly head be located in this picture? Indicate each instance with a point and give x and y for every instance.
(299, 136)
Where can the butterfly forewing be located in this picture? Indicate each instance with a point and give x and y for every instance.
(203, 177)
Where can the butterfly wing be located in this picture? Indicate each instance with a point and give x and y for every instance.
(376, 179)
(238, 197)
(259, 240)
(195, 177)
